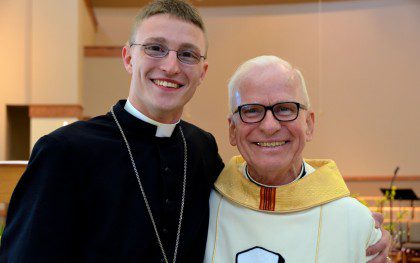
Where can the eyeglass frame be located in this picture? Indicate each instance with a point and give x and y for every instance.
(167, 52)
(270, 108)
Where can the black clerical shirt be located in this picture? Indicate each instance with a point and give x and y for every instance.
(79, 199)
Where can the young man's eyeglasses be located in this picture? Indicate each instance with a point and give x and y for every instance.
(283, 111)
(159, 51)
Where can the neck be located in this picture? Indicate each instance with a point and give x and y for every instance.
(275, 178)
(164, 117)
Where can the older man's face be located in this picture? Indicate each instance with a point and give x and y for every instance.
(270, 146)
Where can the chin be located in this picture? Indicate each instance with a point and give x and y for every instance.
(277, 164)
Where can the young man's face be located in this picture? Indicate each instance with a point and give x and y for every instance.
(160, 87)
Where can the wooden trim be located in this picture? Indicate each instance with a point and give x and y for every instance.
(380, 178)
(13, 165)
(9, 176)
(55, 111)
(103, 51)
(92, 15)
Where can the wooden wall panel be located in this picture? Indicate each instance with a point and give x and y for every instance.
(54, 111)
(9, 176)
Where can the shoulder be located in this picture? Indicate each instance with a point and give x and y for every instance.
(215, 197)
(195, 132)
(73, 140)
(359, 220)
(80, 129)
(351, 211)
(79, 135)
(349, 205)
(204, 142)
(349, 214)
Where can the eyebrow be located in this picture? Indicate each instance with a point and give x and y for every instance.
(161, 40)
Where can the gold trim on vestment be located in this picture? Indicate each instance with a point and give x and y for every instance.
(322, 186)
(217, 229)
(319, 235)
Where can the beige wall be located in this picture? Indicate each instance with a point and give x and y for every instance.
(87, 35)
(15, 17)
(60, 32)
(369, 86)
(361, 60)
(41, 53)
(106, 81)
(55, 52)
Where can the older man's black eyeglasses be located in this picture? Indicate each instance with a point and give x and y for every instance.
(283, 111)
(159, 51)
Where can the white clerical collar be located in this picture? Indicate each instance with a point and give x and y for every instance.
(163, 129)
(305, 170)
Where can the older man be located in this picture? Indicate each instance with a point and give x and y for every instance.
(271, 205)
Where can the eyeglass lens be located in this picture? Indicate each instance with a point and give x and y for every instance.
(160, 51)
(252, 113)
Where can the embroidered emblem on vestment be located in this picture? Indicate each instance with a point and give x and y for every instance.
(258, 255)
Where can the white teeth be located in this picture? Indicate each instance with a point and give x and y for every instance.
(166, 84)
(270, 144)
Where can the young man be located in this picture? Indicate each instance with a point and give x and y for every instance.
(132, 185)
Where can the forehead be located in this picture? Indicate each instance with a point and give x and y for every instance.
(268, 85)
(172, 31)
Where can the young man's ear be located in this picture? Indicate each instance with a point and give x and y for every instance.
(126, 56)
(232, 131)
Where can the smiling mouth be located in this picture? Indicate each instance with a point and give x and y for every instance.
(167, 84)
(271, 144)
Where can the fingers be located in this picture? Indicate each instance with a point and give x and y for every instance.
(380, 258)
(382, 247)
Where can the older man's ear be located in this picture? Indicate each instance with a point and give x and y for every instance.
(232, 131)
(310, 123)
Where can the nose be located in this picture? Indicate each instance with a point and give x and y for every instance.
(170, 63)
(269, 125)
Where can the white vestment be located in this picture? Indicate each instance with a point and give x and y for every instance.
(310, 220)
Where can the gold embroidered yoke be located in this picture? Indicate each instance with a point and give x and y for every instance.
(322, 186)
(310, 220)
